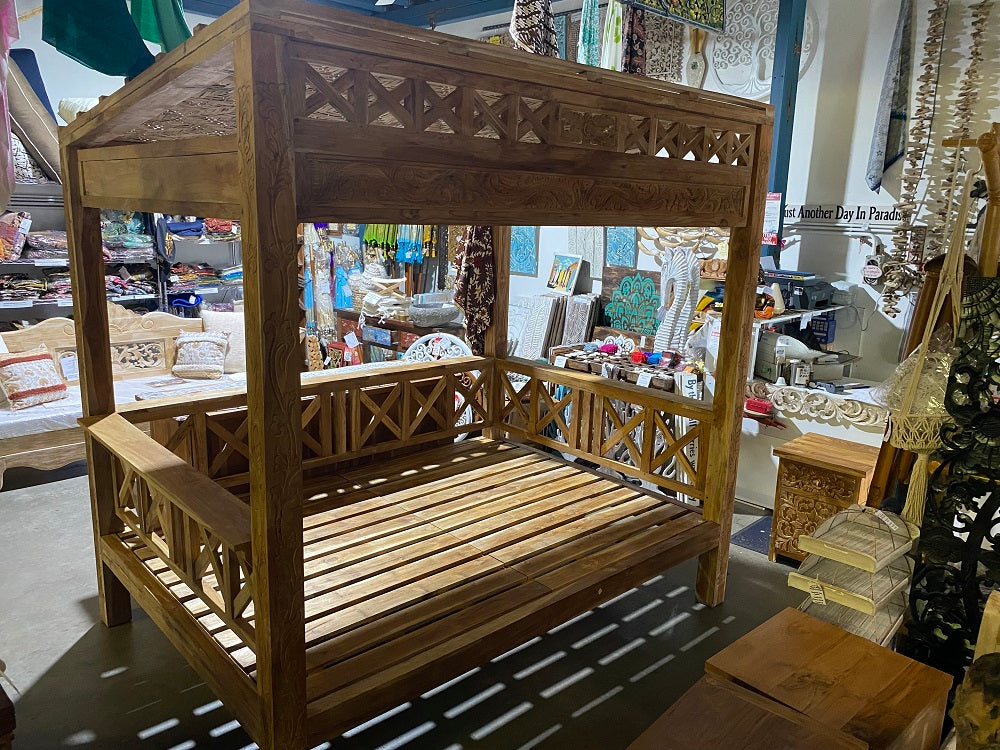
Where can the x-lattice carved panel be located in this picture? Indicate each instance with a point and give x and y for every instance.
(363, 98)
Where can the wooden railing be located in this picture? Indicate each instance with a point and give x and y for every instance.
(631, 429)
(198, 529)
(345, 415)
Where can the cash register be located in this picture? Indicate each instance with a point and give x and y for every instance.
(802, 290)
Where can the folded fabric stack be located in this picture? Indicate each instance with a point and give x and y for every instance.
(58, 286)
(49, 244)
(17, 287)
(188, 278)
(138, 284)
(222, 230)
(122, 247)
(186, 230)
(232, 276)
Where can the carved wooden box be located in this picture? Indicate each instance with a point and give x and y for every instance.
(817, 477)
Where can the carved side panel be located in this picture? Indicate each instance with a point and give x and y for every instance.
(819, 482)
(807, 496)
(139, 355)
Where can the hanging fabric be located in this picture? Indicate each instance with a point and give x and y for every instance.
(476, 284)
(634, 41)
(588, 50)
(99, 34)
(889, 138)
(611, 42)
(533, 27)
(161, 22)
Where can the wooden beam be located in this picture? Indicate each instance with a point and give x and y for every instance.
(267, 182)
(97, 391)
(784, 87)
(730, 379)
(496, 334)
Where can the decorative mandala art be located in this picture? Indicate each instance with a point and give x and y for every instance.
(741, 58)
(524, 251)
(633, 306)
(620, 247)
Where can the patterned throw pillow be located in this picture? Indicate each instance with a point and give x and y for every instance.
(201, 355)
(30, 378)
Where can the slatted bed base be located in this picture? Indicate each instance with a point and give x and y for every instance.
(422, 567)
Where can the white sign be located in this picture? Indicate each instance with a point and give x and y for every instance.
(644, 379)
(560, 361)
(772, 218)
(351, 339)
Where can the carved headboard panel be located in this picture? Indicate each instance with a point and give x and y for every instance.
(140, 344)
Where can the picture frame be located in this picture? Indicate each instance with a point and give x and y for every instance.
(564, 274)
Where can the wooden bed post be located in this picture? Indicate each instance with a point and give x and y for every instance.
(274, 361)
(97, 389)
(731, 375)
(496, 336)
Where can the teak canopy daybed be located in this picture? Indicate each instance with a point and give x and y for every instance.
(320, 549)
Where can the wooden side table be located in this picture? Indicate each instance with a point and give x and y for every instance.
(817, 477)
(841, 680)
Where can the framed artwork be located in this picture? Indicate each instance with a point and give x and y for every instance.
(565, 271)
(524, 251)
(620, 247)
(708, 14)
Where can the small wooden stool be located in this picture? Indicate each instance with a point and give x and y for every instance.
(6, 722)
(842, 681)
(716, 714)
(817, 477)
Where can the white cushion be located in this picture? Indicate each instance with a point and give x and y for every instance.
(236, 357)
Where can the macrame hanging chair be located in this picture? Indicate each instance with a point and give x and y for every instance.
(916, 416)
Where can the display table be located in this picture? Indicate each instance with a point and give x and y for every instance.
(844, 682)
(717, 714)
(399, 335)
(817, 477)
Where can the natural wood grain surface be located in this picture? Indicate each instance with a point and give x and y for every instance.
(730, 376)
(843, 681)
(716, 714)
(842, 456)
(432, 562)
(270, 283)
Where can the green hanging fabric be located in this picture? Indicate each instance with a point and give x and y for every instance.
(99, 34)
(161, 22)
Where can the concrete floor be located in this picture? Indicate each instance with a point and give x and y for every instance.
(595, 682)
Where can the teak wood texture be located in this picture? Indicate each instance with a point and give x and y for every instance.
(840, 680)
(280, 534)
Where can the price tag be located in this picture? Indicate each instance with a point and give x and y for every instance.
(64, 303)
(816, 593)
(351, 339)
(880, 515)
(806, 320)
(348, 356)
(560, 361)
(645, 378)
(606, 370)
(56, 262)
(15, 303)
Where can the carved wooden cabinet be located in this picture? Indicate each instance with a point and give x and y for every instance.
(817, 476)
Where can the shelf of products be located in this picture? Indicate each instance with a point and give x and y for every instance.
(860, 537)
(852, 587)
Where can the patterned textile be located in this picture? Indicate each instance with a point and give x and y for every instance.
(476, 284)
(634, 41)
(26, 169)
(889, 138)
(533, 27)
(580, 312)
(562, 24)
(30, 378)
(611, 40)
(201, 355)
(589, 50)
(231, 324)
(665, 46)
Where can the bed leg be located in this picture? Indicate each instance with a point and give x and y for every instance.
(115, 601)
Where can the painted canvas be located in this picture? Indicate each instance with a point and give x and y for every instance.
(709, 14)
(524, 251)
(565, 271)
(621, 249)
(588, 243)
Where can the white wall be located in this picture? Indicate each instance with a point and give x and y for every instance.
(63, 76)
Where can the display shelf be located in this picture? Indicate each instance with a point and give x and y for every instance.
(64, 262)
(852, 587)
(861, 538)
(879, 627)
